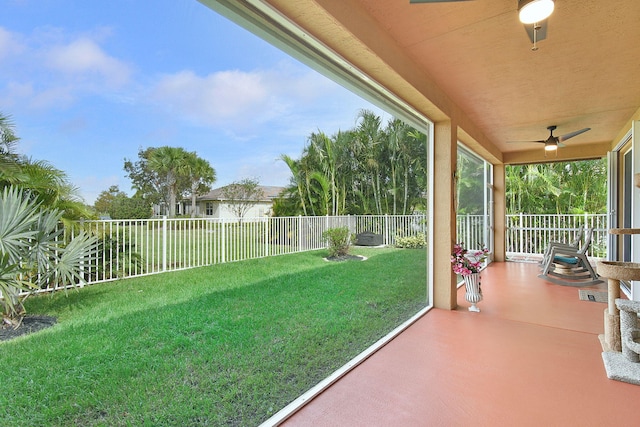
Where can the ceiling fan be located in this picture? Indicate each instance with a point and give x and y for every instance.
(553, 142)
(533, 14)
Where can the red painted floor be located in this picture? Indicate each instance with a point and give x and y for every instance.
(531, 358)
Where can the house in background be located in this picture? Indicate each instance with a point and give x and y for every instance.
(215, 205)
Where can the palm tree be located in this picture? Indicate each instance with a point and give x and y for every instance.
(368, 147)
(171, 164)
(308, 165)
(413, 161)
(363, 170)
(8, 138)
(344, 169)
(470, 184)
(328, 151)
(297, 180)
(542, 182)
(43, 182)
(201, 177)
(9, 169)
(51, 187)
(34, 252)
(405, 152)
(324, 190)
(588, 179)
(576, 187)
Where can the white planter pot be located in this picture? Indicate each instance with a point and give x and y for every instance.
(473, 293)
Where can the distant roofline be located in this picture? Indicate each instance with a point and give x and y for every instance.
(270, 192)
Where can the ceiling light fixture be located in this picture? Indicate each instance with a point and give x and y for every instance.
(532, 11)
(550, 146)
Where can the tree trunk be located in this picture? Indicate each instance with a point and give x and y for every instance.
(406, 191)
(193, 202)
(304, 205)
(12, 311)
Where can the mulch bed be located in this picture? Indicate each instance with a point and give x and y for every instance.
(30, 323)
(346, 258)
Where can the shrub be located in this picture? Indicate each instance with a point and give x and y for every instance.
(339, 240)
(130, 208)
(116, 258)
(412, 242)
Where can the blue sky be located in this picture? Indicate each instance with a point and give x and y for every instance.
(89, 83)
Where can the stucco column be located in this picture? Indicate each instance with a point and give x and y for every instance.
(444, 214)
(499, 212)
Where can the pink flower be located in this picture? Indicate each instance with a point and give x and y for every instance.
(465, 262)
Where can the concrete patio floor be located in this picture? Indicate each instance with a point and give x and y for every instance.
(531, 357)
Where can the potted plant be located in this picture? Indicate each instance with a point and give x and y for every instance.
(468, 264)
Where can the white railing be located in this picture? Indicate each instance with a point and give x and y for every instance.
(129, 248)
(471, 231)
(530, 234)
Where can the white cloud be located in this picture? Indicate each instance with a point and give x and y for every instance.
(240, 101)
(14, 92)
(54, 96)
(84, 58)
(9, 44)
(213, 99)
(50, 68)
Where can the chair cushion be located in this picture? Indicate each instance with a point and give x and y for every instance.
(565, 260)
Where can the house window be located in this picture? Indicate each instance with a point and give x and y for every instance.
(209, 209)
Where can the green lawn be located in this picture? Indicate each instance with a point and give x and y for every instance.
(224, 345)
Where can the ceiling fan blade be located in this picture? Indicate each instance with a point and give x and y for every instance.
(435, 1)
(526, 142)
(572, 134)
(542, 31)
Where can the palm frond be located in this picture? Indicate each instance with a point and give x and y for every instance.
(17, 222)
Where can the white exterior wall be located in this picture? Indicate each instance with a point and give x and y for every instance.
(221, 210)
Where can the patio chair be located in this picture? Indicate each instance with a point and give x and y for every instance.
(569, 266)
(575, 243)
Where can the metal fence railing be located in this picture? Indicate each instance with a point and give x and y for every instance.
(129, 248)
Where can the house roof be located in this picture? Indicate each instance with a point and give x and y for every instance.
(471, 63)
(217, 194)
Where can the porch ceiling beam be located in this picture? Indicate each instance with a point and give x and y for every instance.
(568, 153)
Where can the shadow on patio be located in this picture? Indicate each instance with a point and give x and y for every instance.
(531, 357)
